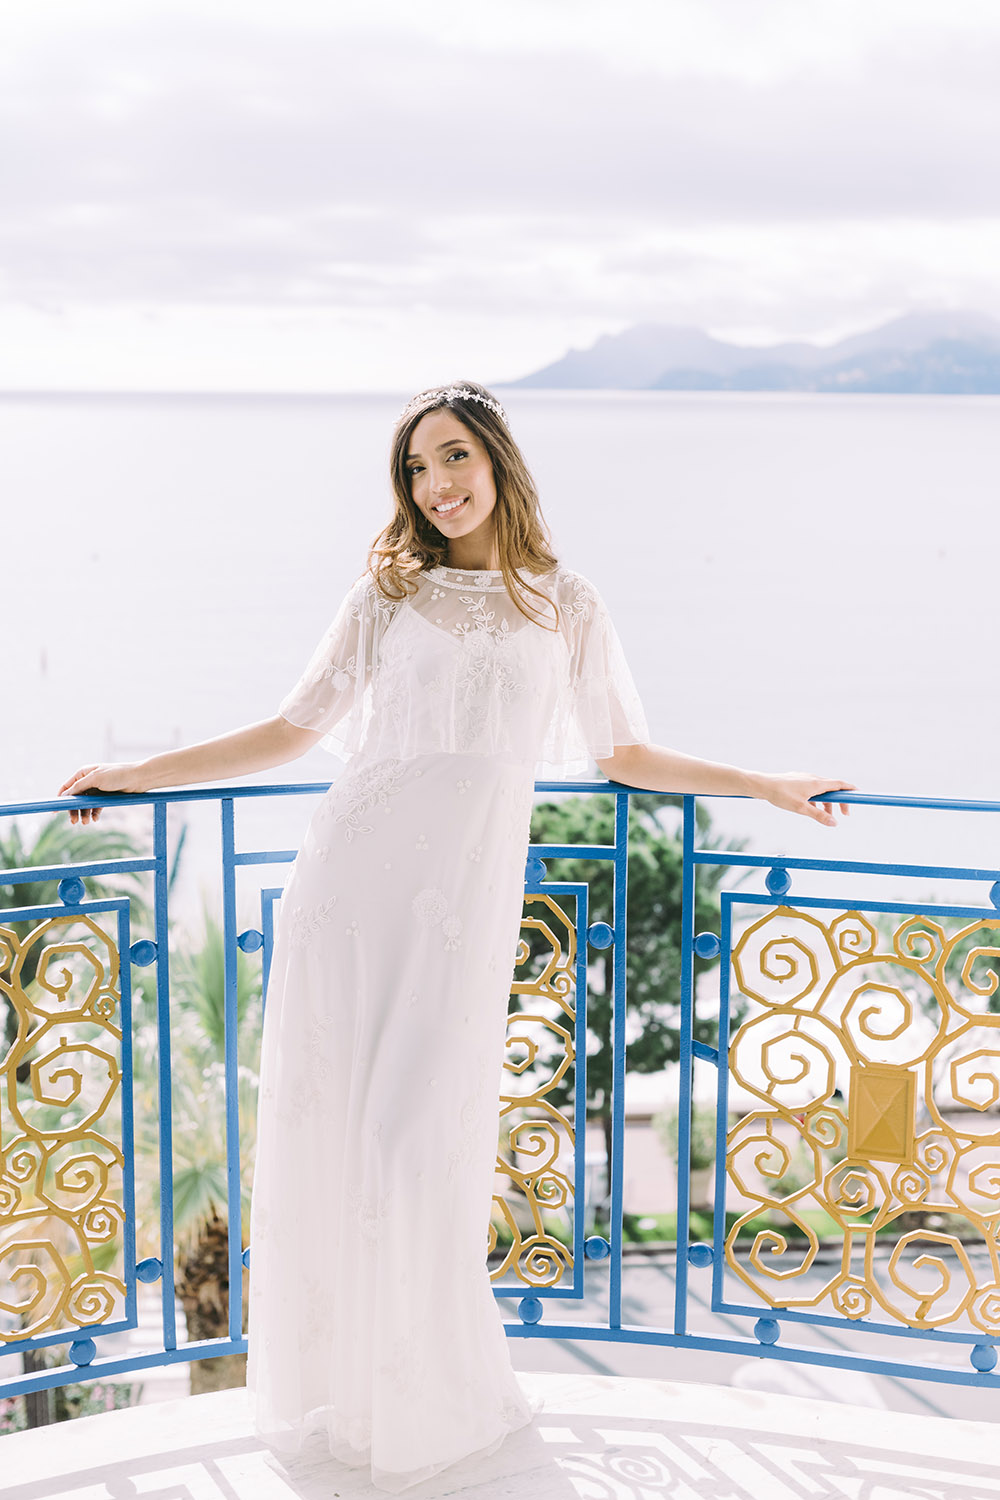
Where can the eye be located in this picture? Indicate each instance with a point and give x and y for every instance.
(414, 468)
(458, 453)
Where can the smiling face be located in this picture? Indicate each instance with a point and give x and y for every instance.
(452, 484)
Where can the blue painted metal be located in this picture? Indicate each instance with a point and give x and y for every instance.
(231, 1071)
(685, 1069)
(618, 1060)
(161, 886)
(267, 899)
(764, 1331)
(71, 890)
(600, 935)
(530, 1309)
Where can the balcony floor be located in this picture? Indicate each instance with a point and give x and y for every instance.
(613, 1437)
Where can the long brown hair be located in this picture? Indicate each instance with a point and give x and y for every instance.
(410, 543)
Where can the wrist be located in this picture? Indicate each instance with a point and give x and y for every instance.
(758, 784)
(146, 774)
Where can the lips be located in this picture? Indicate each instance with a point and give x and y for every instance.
(449, 507)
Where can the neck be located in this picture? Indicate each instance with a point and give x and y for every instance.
(476, 558)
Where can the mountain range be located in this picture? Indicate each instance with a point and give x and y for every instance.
(951, 352)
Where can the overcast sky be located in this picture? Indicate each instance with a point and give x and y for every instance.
(281, 194)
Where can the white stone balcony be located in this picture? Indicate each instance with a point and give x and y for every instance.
(614, 1437)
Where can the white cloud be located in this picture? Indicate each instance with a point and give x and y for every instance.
(527, 170)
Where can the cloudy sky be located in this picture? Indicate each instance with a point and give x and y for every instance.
(316, 195)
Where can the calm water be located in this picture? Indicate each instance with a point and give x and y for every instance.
(798, 580)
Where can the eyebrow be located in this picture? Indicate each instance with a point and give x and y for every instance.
(451, 443)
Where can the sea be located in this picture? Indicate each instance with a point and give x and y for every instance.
(800, 581)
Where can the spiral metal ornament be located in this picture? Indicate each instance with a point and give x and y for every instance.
(537, 1153)
(63, 1175)
(872, 1054)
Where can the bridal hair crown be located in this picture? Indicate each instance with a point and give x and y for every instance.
(433, 398)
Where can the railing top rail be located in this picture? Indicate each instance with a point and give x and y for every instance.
(304, 788)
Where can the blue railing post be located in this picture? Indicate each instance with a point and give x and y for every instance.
(685, 1065)
(231, 1033)
(161, 885)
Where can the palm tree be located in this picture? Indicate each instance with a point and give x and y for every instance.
(60, 843)
(199, 1146)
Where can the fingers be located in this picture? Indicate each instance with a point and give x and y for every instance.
(844, 807)
(77, 786)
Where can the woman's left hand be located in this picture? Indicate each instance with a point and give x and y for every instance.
(792, 790)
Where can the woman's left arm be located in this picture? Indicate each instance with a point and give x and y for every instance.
(657, 769)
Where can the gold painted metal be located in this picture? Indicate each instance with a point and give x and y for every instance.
(869, 1065)
(61, 1164)
(537, 1159)
(880, 1118)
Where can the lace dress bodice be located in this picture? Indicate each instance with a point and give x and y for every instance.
(458, 668)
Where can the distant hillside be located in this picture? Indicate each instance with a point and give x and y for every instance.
(948, 352)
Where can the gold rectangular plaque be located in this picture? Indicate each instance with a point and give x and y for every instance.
(881, 1114)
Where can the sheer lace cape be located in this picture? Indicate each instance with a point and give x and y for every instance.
(482, 678)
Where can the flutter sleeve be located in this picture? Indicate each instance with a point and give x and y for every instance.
(598, 706)
(334, 691)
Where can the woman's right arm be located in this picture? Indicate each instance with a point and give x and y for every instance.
(256, 747)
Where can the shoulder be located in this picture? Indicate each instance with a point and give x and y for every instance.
(574, 593)
(366, 600)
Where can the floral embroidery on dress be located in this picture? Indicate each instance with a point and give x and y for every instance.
(340, 677)
(452, 929)
(482, 619)
(369, 1210)
(368, 787)
(489, 579)
(430, 906)
(308, 921)
(469, 1117)
(580, 602)
(408, 1368)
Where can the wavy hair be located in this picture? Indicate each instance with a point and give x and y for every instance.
(410, 543)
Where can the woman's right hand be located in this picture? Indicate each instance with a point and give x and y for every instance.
(119, 776)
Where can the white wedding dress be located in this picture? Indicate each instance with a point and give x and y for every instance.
(372, 1319)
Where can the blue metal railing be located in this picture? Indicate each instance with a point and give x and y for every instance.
(976, 1325)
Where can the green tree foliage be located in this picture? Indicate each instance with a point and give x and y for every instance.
(57, 843)
(653, 914)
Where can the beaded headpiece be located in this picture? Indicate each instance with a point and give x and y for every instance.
(432, 398)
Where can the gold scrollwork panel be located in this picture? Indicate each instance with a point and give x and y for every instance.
(873, 1061)
(62, 1210)
(537, 1139)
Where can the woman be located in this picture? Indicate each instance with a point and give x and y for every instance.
(465, 660)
